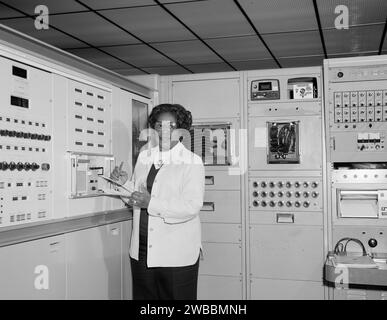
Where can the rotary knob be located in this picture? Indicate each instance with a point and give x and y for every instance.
(263, 204)
(4, 165)
(306, 184)
(272, 204)
(297, 184)
(289, 203)
(263, 194)
(263, 184)
(255, 184)
(280, 203)
(12, 166)
(271, 184)
(314, 194)
(34, 166)
(288, 184)
(272, 194)
(255, 203)
(314, 184)
(280, 194)
(372, 243)
(20, 166)
(280, 184)
(297, 194)
(288, 194)
(297, 204)
(255, 194)
(306, 194)
(306, 204)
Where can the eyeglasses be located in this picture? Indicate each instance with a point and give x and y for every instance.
(165, 124)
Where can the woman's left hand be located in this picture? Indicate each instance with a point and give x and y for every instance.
(140, 199)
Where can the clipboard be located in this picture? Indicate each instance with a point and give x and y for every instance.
(115, 183)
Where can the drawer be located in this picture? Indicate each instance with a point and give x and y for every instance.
(286, 252)
(221, 259)
(217, 232)
(219, 288)
(288, 218)
(276, 289)
(221, 180)
(221, 206)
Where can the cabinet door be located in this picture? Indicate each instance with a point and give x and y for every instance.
(219, 288)
(127, 283)
(94, 263)
(33, 270)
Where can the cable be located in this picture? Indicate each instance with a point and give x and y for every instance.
(343, 249)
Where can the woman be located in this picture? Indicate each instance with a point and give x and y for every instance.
(166, 235)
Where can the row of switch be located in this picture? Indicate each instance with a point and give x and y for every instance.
(23, 166)
(288, 204)
(25, 135)
(288, 184)
(289, 194)
(360, 98)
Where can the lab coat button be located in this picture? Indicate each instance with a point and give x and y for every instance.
(150, 246)
(151, 229)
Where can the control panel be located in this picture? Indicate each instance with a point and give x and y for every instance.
(25, 144)
(264, 90)
(273, 193)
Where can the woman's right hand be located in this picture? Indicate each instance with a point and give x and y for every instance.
(119, 175)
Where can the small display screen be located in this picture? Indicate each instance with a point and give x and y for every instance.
(264, 86)
(19, 102)
(19, 72)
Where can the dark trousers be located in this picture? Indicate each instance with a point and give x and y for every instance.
(164, 283)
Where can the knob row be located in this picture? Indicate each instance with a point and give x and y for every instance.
(25, 135)
(23, 166)
(288, 194)
(288, 204)
(287, 184)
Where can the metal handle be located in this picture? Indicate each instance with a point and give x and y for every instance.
(285, 218)
(115, 231)
(210, 180)
(359, 195)
(208, 206)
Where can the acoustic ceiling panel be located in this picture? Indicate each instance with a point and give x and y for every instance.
(91, 28)
(140, 55)
(151, 24)
(355, 39)
(209, 67)
(359, 11)
(255, 64)
(51, 36)
(103, 4)
(167, 70)
(188, 52)
(240, 48)
(294, 43)
(54, 6)
(98, 57)
(271, 16)
(6, 12)
(307, 61)
(212, 18)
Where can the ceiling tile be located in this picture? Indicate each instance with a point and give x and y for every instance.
(188, 52)
(354, 39)
(140, 55)
(98, 57)
(359, 11)
(151, 24)
(294, 43)
(240, 48)
(212, 18)
(93, 29)
(167, 70)
(51, 36)
(255, 64)
(6, 12)
(209, 67)
(273, 16)
(103, 4)
(306, 61)
(54, 6)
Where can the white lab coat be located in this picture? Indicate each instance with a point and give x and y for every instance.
(174, 230)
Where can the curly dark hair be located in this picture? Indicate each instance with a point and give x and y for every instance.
(183, 116)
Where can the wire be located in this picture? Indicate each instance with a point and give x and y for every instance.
(343, 248)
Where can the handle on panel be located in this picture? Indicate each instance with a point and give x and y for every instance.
(208, 206)
(210, 180)
(285, 218)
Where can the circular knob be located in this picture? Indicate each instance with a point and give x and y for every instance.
(255, 184)
(255, 203)
(4, 165)
(280, 184)
(288, 194)
(27, 166)
(263, 194)
(297, 194)
(34, 136)
(12, 166)
(263, 204)
(11, 133)
(47, 138)
(34, 166)
(306, 204)
(263, 184)
(297, 184)
(272, 204)
(272, 194)
(45, 166)
(340, 74)
(255, 194)
(272, 184)
(372, 243)
(288, 184)
(306, 194)
(280, 203)
(26, 135)
(288, 203)
(314, 184)
(306, 184)
(297, 204)
(280, 194)
(19, 134)
(20, 166)
(314, 194)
